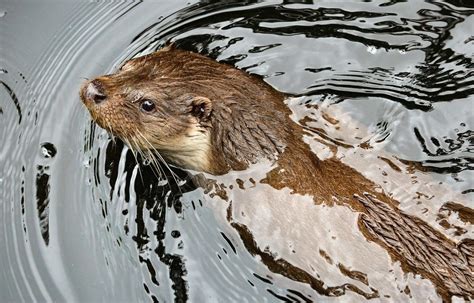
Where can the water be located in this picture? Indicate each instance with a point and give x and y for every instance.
(389, 84)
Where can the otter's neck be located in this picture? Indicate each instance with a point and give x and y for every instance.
(241, 136)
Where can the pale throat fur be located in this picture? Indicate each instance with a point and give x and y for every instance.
(192, 151)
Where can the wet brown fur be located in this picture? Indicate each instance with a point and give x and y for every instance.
(247, 120)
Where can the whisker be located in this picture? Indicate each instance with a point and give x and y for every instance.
(161, 157)
(134, 153)
(114, 139)
(152, 157)
(162, 160)
(153, 161)
(156, 165)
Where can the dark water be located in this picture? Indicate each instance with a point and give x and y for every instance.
(391, 85)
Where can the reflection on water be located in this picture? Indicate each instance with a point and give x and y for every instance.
(385, 86)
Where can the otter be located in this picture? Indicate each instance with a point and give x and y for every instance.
(206, 116)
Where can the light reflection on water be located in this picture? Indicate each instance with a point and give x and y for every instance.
(389, 84)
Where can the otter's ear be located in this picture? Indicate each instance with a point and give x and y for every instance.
(201, 107)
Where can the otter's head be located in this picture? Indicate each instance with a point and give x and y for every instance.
(194, 111)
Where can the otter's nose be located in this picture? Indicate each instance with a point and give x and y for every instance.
(95, 91)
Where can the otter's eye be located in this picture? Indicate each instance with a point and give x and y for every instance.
(198, 110)
(147, 106)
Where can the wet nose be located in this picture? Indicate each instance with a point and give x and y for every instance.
(95, 91)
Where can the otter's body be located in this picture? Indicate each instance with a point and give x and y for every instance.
(211, 117)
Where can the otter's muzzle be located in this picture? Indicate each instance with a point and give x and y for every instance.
(94, 92)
